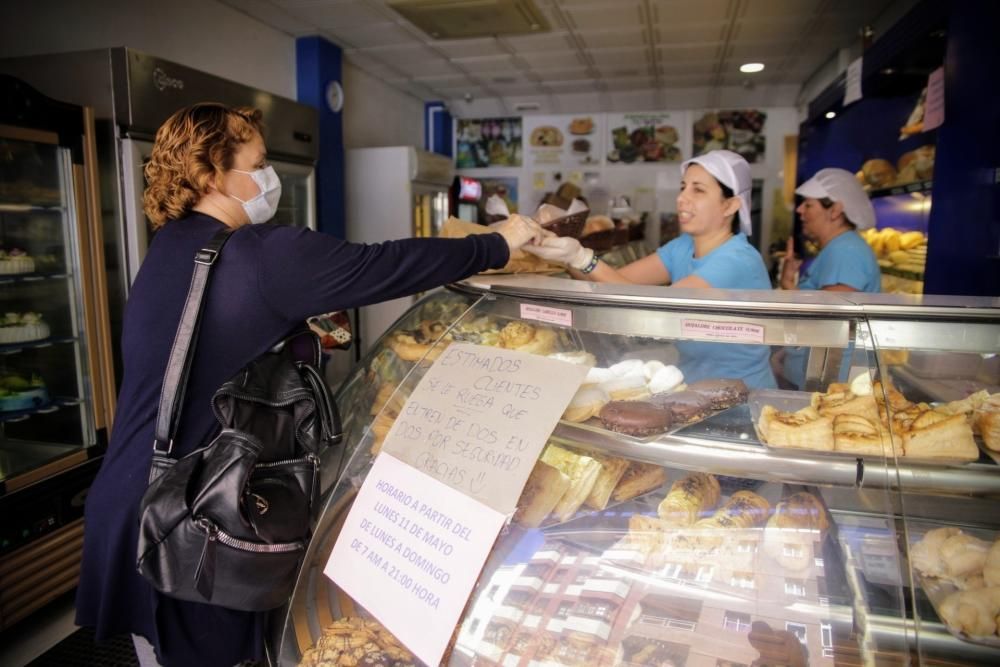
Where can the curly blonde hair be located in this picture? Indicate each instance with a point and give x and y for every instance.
(193, 145)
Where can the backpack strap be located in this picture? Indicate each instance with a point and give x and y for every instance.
(182, 352)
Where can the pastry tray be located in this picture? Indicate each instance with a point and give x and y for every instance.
(792, 401)
(937, 590)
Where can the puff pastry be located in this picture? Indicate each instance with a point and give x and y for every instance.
(582, 472)
(639, 478)
(805, 429)
(855, 434)
(544, 488)
(612, 470)
(839, 400)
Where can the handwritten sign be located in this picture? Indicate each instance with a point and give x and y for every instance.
(410, 551)
(934, 104)
(479, 418)
(852, 83)
(731, 331)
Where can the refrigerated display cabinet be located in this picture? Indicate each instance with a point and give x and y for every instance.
(56, 380)
(731, 537)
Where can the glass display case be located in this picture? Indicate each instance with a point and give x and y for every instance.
(56, 381)
(679, 515)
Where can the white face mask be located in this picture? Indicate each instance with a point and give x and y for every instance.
(262, 207)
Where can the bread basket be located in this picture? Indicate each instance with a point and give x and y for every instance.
(568, 225)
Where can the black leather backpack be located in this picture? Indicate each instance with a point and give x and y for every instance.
(228, 524)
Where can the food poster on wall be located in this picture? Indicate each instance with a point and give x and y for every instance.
(563, 140)
(647, 137)
(487, 142)
(740, 131)
(503, 187)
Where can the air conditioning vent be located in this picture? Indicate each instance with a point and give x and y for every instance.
(457, 19)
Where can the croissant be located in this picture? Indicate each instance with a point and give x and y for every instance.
(802, 511)
(688, 498)
(744, 509)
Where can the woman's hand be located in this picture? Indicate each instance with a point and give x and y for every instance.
(518, 231)
(790, 269)
(563, 250)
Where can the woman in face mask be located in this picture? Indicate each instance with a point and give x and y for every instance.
(208, 170)
(713, 208)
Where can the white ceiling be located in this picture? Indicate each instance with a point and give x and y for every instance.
(607, 48)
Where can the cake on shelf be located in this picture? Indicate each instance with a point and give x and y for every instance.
(22, 327)
(15, 260)
(18, 392)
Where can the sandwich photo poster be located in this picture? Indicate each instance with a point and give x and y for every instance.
(563, 141)
(739, 130)
(655, 136)
(487, 142)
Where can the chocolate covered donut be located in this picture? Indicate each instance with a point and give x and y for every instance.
(724, 393)
(684, 406)
(638, 418)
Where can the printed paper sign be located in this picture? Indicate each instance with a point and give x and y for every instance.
(563, 140)
(479, 418)
(410, 552)
(731, 331)
(561, 316)
(934, 104)
(852, 85)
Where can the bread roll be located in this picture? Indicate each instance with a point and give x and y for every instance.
(688, 498)
(963, 555)
(925, 555)
(972, 612)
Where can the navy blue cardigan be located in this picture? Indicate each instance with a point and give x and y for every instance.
(268, 279)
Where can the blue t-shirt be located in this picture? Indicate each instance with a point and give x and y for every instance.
(733, 265)
(846, 260)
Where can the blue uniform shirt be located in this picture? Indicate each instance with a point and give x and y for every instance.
(846, 260)
(733, 265)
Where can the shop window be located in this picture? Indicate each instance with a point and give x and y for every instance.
(746, 547)
(736, 621)
(540, 605)
(792, 550)
(521, 643)
(564, 609)
(824, 601)
(826, 638)
(798, 630)
(704, 573)
(673, 570)
(743, 580)
(819, 562)
(795, 587)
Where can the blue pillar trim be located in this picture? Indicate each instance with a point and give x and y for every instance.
(317, 63)
(437, 128)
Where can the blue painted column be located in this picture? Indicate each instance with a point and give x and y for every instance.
(437, 128)
(317, 65)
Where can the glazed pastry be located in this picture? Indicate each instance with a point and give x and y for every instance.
(688, 498)
(838, 400)
(804, 429)
(527, 338)
(355, 641)
(637, 418)
(580, 357)
(629, 367)
(937, 435)
(858, 435)
(612, 469)
(586, 403)
(963, 555)
(684, 406)
(544, 488)
(582, 472)
(639, 478)
(598, 375)
(627, 387)
(419, 343)
(651, 368)
(744, 509)
(987, 421)
(723, 393)
(801, 511)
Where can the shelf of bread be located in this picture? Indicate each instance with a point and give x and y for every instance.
(924, 186)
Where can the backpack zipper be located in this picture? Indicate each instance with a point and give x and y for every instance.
(215, 533)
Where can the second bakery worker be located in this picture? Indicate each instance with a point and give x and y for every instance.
(713, 208)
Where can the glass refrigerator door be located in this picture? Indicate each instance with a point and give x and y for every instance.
(45, 388)
(430, 211)
(298, 200)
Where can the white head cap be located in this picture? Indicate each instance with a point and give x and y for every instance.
(731, 170)
(841, 185)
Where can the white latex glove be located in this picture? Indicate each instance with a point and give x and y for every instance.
(518, 230)
(562, 250)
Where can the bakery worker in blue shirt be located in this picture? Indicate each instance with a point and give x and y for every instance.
(713, 209)
(833, 209)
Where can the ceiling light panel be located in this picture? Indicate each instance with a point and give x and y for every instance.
(670, 11)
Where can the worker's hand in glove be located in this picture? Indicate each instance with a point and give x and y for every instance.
(562, 250)
(518, 231)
